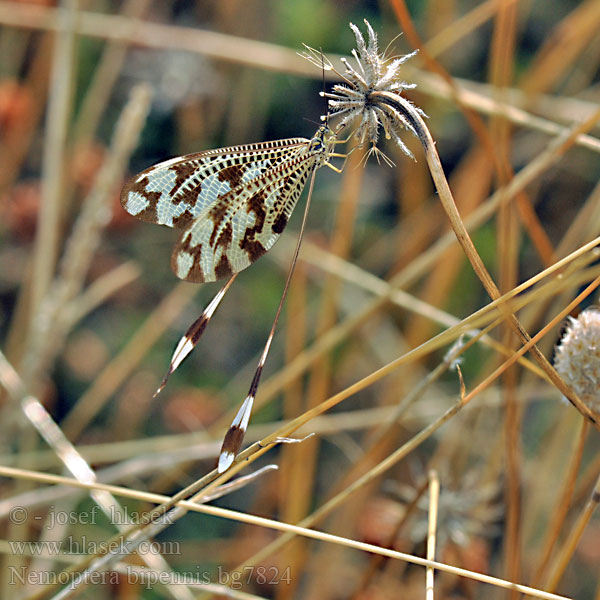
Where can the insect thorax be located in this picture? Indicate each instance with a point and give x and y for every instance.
(322, 144)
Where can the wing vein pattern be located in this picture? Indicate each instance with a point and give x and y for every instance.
(231, 203)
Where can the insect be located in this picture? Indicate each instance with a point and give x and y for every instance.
(231, 205)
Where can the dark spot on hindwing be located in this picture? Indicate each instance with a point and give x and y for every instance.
(183, 220)
(253, 248)
(223, 268)
(249, 243)
(195, 274)
(225, 237)
(217, 214)
(280, 223)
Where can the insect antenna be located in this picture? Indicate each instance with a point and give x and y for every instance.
(191, 337)
(235, 434)
(311, 121)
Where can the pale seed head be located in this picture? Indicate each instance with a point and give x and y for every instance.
(353, 100)
(577, 357)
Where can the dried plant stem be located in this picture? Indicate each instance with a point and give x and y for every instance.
(261, 447)
(128, 358)
(290, 503)
(45, 425)
(526, 176)
(47, 239)
(95, 211)
(434, 496)
(563, 503)
(422, 264)
(482, 318)
(258, 54)
(479, 97)
(50, 325)
(160, 451)
(382, 466)
(377, 560)
(46, 242)
(502, 50)
(407, 110)
(156, 35)
(98, 93)
(379, 444)
(278, 526)
(562, 47)
(153, 523)
(100, 290)
(304, 468)
(513, 473)
(351, 273)
(501, 75)
(475, 121)
(464, 25)
(568, 548)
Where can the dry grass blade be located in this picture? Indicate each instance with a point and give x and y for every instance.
(264, 445)
(415, 269)
(277, 525)
(47, 239)
(561, 562)
(562, 504)
(74, 462)
(434, 495)
(117, 371)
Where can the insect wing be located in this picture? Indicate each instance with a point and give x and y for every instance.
(240, 226)
(178, 190)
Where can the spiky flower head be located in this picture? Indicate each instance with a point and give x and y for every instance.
(577, 357)
(355, 100)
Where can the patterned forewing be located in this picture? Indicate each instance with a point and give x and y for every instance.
(242, 225)
(177, 191)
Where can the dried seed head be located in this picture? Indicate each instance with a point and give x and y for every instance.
(474, 509)
(353, 100)
(577, 357)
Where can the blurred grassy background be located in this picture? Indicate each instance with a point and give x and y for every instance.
(91, 336)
